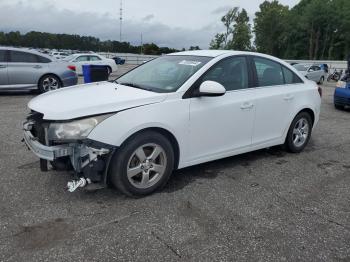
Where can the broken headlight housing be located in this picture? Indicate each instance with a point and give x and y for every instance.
(76, 129)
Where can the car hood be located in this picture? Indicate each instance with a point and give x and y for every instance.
(91, 99)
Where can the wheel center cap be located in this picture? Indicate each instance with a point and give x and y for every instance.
(147, 165)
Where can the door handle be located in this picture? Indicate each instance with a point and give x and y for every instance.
(37, 66)
(247, 105)
(3, 66)
(288, 97)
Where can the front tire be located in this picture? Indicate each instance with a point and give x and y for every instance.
(48, 83)
(143, 164)
(299, 133)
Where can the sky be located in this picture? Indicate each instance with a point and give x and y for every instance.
(172, 23)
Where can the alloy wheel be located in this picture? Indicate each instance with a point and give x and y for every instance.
(301, 132)
(50, 83)
(146, 166)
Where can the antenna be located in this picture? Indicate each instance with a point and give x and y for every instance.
(121, 20)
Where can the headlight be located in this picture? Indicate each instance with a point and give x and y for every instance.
(77, 129)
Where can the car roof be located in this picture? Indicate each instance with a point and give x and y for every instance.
(79, 54)
(216, 53)
(32, 51)
(208, 53)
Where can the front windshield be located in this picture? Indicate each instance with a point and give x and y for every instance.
(301, 67)
(165, 74)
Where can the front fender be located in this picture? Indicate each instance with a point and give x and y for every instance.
(172, 116)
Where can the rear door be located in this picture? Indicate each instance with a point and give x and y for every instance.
(95, 60)
(275, 96)
(24, 69)
(3, 68)
(80, 61)
(314, 73)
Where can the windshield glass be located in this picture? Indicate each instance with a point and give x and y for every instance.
(165, 74)
(301, 67)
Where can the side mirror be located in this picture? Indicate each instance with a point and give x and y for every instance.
(211, 88)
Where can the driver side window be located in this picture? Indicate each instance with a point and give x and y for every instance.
(231, 72)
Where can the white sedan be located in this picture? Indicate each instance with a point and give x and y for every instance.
(312, 72)
(78, 60)
(175, 111)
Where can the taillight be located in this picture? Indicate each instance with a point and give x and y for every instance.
(319, 89)
(71, 67)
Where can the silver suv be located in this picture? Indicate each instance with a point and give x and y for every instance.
(22, 69)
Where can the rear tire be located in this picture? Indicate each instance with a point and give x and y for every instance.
(299, 133)
(142, 165)
(109, 70)
(48, 83)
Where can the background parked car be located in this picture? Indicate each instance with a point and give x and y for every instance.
(312, 72)
(118, 60)
(59, 55)
(78, 60)
(22, 69)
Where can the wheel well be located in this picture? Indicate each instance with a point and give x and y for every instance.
(310, 112)
(169, 136)
(50, 74)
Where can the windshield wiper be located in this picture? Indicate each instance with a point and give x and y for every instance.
(134, 85)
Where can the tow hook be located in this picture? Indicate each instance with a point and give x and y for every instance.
(73, 185)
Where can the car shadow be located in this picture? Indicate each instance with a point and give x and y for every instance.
(184, 177)
(19, 93)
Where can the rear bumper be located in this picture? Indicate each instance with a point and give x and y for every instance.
(70, 81)
(342, 96)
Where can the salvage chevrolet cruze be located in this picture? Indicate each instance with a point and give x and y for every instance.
(173, 112)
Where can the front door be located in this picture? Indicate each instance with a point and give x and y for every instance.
(222, 125)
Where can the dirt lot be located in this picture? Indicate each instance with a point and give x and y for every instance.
(262, 206)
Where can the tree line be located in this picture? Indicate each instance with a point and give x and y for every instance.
(312, 29)
(77, 42)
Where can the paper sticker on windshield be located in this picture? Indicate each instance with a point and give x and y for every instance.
(190, 63)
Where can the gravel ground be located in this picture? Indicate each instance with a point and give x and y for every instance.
(262, 206)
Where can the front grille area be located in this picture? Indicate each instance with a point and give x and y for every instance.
(38, 130)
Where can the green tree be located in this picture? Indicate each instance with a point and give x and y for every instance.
(269, 28)
(218, 42)
(228, 20)
(194, 48)
(241, 33)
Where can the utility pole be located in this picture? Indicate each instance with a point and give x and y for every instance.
(141, 43)
(121, 20)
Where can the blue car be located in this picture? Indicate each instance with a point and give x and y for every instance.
(342, 97)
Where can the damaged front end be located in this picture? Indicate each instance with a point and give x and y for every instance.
(64, 146)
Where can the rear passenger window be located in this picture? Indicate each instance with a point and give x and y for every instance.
(290, 77)
(82, 59)
(2, 56)
(231, 72)
(42, 59)
(94, 58)
(269, 73)
(22, 57)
